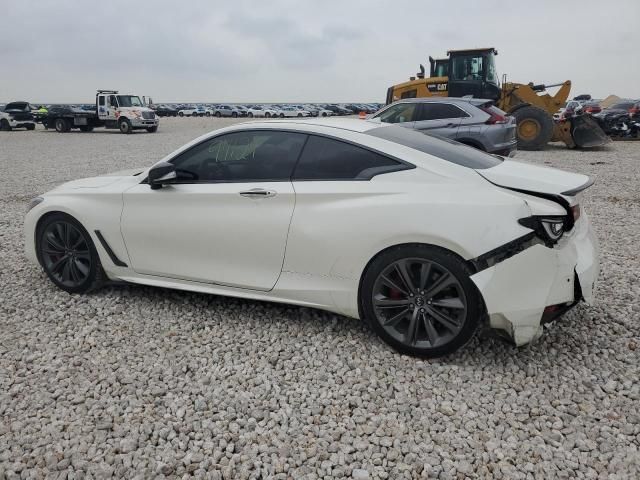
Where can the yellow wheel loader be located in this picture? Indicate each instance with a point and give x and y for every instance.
(473, 73)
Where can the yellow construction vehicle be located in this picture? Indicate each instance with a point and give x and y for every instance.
(473, 73)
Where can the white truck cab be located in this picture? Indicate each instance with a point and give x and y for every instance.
(125, 112)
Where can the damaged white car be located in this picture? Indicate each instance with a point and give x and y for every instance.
(427, 240)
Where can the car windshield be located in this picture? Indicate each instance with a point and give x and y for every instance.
(443, 148)
(129, 101)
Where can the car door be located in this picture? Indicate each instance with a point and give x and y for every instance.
(439, 118)
(225, 220)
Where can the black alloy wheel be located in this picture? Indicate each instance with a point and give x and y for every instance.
(68, 255)
(420, 300)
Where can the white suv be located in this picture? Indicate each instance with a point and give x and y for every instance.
(16, 115)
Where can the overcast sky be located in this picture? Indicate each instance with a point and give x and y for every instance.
(286, 50)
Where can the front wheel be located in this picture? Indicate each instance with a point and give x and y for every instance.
(31, 126)
(420, 300)
(181, 114)
(282, 115)
(250, 115)
(67, 254)
(152, 129)
(534, 128)
(234, 114)
(267, 115)
(125, 126)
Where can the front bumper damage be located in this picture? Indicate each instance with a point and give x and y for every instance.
(521, 285)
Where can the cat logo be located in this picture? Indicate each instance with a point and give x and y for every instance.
(437, 87)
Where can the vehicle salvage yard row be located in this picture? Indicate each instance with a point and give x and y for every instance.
(138, 380)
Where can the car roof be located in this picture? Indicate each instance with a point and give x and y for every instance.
(351, 124)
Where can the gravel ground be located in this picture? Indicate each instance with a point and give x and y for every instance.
(134, 381)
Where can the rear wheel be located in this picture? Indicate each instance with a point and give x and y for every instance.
(125, 126)
(68, 255)
(5, 126)
(267, 115)
(420, 300)
(250, 115)
(534, 128)
(62, 125)
(234, 114)
(31, 126)
(282, 115)
(181, 114)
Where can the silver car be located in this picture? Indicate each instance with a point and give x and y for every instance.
(472, 121)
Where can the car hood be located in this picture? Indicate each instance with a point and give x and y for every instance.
(527, 177)
(100, 181)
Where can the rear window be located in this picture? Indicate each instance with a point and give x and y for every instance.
(443, 148)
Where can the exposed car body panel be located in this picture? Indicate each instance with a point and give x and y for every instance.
(545, 277)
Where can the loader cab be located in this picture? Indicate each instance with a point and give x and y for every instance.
(473, 72)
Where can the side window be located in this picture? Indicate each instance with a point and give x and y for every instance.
(261, 155)
(409, 94)
(439, 111)
(112, 101)
(402, 112)
(101, 101)
(328, 159)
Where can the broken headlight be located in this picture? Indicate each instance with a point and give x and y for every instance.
(548, 228)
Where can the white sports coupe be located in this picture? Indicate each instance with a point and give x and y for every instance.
(425, 239)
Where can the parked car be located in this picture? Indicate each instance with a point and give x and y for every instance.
(591, 107)
(165, 110)
(425, 239)
(337, 110)
(292, 112)
(474, 122)
(227, 111)
(262, 111)
(16, 115)
(194, 111)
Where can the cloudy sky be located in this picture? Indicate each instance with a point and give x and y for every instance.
(286, 50)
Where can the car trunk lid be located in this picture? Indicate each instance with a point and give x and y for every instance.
(530, 178)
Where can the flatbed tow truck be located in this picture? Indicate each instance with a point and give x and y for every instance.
(113, 111)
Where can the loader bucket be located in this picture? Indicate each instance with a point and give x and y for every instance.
(586, 132)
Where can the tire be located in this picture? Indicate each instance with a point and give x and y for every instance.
(125, 126)
(282, 115)
(392, 307)
(208, 114)
(86, 128)
(62, 125)
(324, 114)
(5, 126)
(181, 114)
(67, 254)
(152, 129)
(218, 114)
(234, 114)
(534, 128)
(31, 127)
(267, 115)
(299, 114)
(250, 115)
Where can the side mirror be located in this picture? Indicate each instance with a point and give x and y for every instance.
(162, 174)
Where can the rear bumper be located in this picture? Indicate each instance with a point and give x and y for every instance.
(518, 290)
(505, 149)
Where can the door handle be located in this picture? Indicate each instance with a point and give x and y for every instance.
(258, 192)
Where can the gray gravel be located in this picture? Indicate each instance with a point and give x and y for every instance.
(136, 382)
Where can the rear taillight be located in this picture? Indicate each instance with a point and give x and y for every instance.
(634, 110)
(575, 213)
(495, 116)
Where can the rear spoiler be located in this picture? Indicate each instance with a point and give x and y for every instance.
(575, 191)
